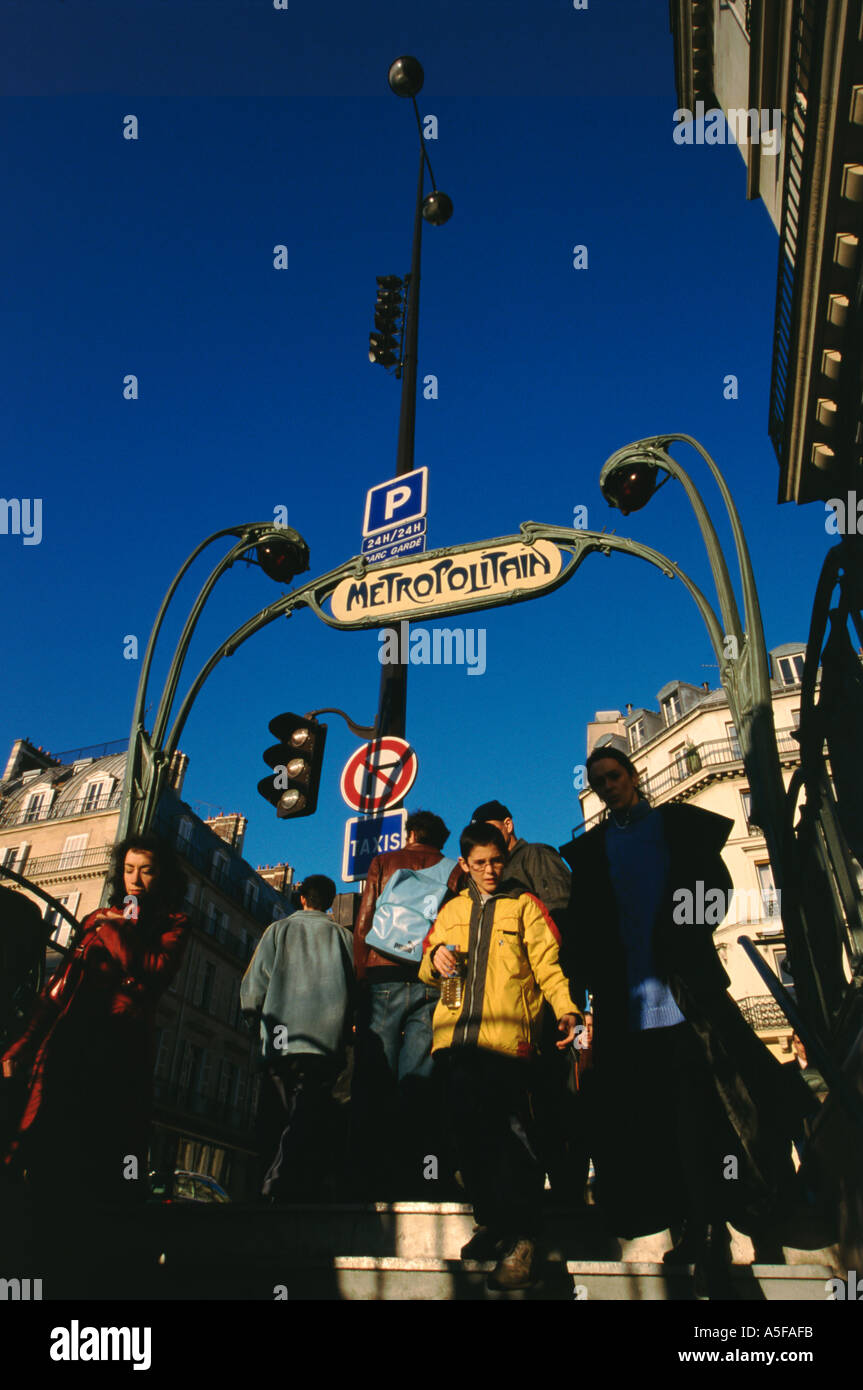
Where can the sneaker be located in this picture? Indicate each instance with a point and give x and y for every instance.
(515, 1269)
(483, 1245)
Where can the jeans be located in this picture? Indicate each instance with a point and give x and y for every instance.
(401, 1019)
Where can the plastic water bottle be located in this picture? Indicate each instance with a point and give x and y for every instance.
(452, 987)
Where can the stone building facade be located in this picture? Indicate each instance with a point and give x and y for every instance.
(58, 818)
(687, 750)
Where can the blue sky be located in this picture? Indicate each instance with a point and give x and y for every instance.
(154, 256)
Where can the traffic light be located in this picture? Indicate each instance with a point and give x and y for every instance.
(296, 760)
(384, 346)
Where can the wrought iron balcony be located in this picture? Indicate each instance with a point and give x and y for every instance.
(97, 857)
(61, 809)
(762, 1011)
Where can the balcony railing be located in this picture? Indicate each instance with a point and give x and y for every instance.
(61, 809)
(714, 755)
(97, 857)
(762, 1011)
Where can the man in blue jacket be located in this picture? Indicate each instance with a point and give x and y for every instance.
(299, 983)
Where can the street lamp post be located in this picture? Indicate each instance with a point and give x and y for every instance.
(282, 554)
(406, 79)
(628, 480)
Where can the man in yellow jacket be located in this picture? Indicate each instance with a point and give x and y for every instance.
(504, 947)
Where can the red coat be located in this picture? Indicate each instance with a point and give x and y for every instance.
(88, 1049)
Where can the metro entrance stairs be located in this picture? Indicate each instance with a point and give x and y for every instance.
(410, 1251)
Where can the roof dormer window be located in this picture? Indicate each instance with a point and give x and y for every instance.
(671, 709)
(791, 668)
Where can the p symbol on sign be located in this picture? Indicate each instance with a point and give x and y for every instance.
(395, 498)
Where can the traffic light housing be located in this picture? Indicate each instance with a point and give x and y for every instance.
(384, 345)
(297, 760)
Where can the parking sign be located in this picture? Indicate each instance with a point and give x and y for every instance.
(397, 502)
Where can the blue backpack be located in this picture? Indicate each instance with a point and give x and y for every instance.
(406, 909)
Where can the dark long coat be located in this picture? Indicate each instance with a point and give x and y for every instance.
(762, 1104)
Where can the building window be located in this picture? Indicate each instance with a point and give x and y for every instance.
(769, 895)
(678, 762)
(36, 806)
(220, 867)
(61, 929)
(733, 741)
(95, 795)
(73, 852)
(204, 984)
(795, 719)
(250, 895)
(184, 834)
(636, 734)
(791, 669)
(162, 1050)
(14, 857)
(671, 709)
(780, 963)
(746, 803)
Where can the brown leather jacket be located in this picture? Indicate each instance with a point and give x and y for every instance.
(380, 870)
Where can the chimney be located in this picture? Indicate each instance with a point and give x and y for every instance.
(231, 829)
(177, 771)
(25, 758)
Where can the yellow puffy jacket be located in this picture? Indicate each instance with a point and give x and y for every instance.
(511, 947)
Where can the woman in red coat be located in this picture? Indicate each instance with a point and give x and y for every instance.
(86, 1056)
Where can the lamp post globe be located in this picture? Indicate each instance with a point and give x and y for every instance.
(283, 555)
(437, 208)
(406, 76)
(629, 478)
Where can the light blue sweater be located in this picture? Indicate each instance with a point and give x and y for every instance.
(298, 979)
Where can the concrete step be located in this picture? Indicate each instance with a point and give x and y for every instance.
(376, 1251)
(406, 1230)
(387, 1278)
(410, 1250)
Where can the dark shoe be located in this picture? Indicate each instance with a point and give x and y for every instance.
(515, 1269)
(687, 1248)
(713, 1269)
(483, 1245)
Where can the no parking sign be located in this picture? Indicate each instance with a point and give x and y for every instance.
(379, 774)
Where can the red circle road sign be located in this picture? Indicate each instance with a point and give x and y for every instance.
(378, 774)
